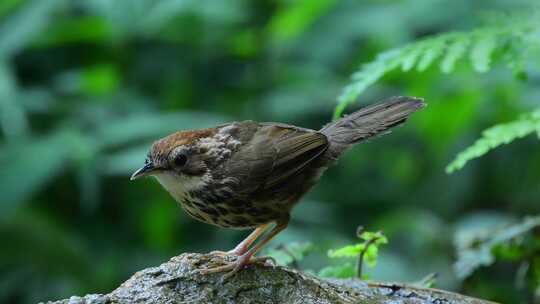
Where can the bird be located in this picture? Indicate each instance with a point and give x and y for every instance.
(249, 175)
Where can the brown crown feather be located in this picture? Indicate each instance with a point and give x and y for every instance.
(163, 146)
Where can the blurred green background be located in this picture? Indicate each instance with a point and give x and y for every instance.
(86, 86)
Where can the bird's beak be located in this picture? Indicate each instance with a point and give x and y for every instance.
(146, 170)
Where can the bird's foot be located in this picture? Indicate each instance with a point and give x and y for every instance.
(232, 267)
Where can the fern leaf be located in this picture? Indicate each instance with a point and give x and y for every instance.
(434, 50)
(366, 76)
(497, 136)
(481, 53)
(411, 57)
(448, 48)
(455, 51)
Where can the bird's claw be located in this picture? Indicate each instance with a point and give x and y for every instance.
(232, 267)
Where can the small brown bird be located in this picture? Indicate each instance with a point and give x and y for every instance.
(247, 174)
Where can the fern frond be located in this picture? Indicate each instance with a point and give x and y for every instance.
(481, 52)
(496, 136)
(366, 76)
(455, 51)
(433, 50)
(448, 48)
(410, 57)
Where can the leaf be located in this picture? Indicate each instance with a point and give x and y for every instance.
(27, 166)
(83, 29)
(99, 79)
(497, 136)
(411, 57)
(481, 53)
(479, 249)
(372, 240)
(296, 17)
(508, 252)
(7, 6)
(455, 51)
(40, 251)
(340, 271)
(366, 76)
(95, 80)
(13, 118)
(371, 254)
(150, 17)
(433, 50)
(22, 26)
(377, 236)
(349, 251)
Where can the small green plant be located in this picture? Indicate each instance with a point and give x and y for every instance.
(366, 250)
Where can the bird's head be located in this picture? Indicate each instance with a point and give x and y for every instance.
(178, 160)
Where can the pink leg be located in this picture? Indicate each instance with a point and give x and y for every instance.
(243, 246)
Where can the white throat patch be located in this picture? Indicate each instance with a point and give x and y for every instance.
(179, 185)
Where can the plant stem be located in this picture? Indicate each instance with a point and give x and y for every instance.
(360, 260)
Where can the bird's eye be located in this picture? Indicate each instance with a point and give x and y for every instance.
(180, 160)
(147, 161)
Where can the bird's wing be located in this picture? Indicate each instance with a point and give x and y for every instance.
(276, 152)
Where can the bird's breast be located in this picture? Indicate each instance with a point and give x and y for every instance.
(216, 203)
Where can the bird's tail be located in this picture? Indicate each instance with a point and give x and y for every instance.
(369, 121)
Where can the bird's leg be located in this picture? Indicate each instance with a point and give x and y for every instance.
(243, 246)
(246, 258)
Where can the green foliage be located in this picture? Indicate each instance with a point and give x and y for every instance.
(447, 49)
(369, 248)
(291, 253)
(375, 238)
(506, 38)
(496, 136)
(365, 251)
(86, 86)
(57, 149)
(24, 25)
(482, 247)
(80, 147)
(99, 80)
(295, 17)
(349, 251)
